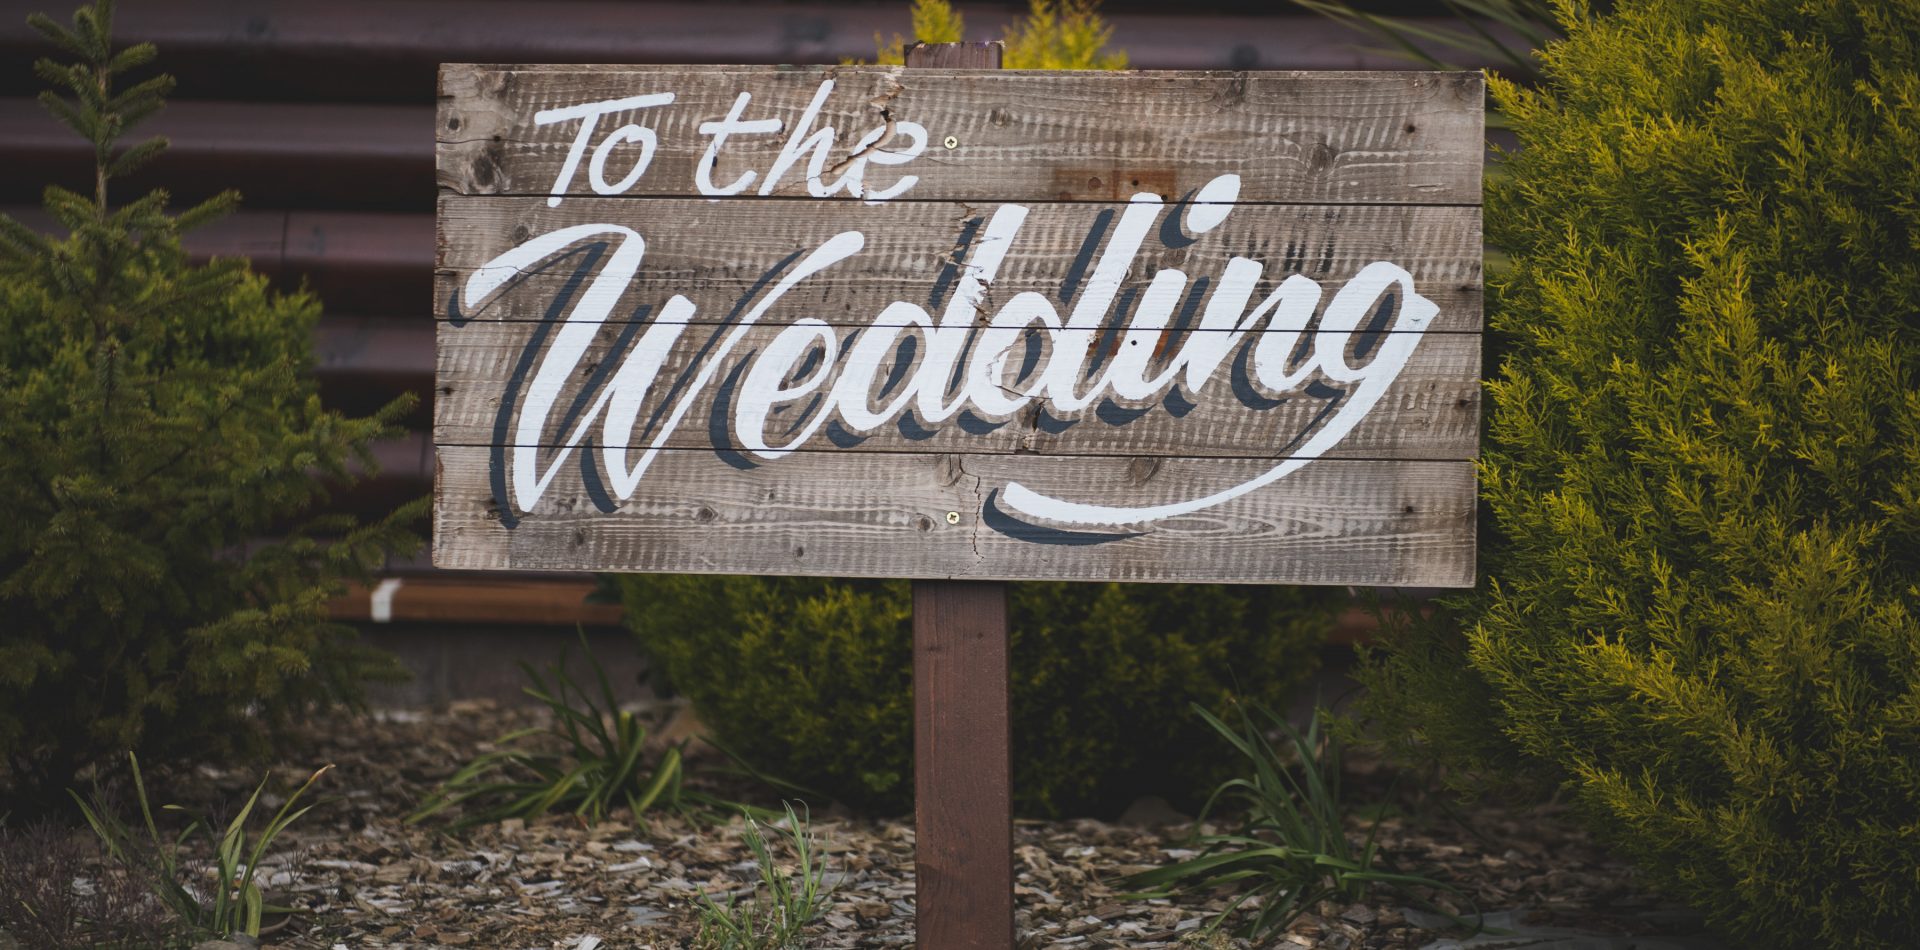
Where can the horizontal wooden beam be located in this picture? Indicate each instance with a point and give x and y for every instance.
(449, 597)
(387, 50)
(1433, 412)
(493, 600)
(907, 246)
(944, 516)
(398, 350)
(277, 155)
(988, 136)
(362, 363)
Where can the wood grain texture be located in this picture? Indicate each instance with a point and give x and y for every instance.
(963, 769)
(1336, 172)
(1321, 137)
(714, 252)
(1431, 411)
(885, 515)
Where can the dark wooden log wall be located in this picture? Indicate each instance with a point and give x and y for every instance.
(321, 112)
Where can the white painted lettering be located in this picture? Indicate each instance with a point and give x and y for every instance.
(589, 114)
(908, 368)
(719, 131)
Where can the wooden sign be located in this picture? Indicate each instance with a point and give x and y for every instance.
(861, 321)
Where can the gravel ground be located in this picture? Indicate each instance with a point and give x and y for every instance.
(369, 880)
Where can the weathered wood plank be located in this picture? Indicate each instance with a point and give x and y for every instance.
(1398, 137)
(887, 515)
(715, 252)
(1431, 410)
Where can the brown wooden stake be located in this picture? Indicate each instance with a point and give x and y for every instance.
(963, 770)
(963, 807)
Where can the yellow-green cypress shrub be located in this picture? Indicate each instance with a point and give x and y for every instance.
(1703, 463)
(934, 21)
(1055, 34)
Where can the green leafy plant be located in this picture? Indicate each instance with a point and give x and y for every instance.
(604, 763)
(1292, 849)
(1701, 623)
(158, 420)
(812, 679)
(233, 902)
(784, 903)
(1054, 34)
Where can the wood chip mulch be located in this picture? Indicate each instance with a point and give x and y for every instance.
(369, 880)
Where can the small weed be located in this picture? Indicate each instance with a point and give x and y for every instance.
(1292, 849)
(603, 767)
(236, 904)
(54, 896)
(774, 920)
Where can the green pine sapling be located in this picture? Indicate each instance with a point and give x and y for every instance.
(158, 420)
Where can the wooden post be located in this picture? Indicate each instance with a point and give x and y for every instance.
(963, 769)
(963, 804)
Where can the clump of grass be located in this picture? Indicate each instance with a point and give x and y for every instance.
(234, 903)
(1291, 850)
(603, 764)
(55, 896)
(783, 903)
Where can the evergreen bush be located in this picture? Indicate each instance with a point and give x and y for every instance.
(1055, 34)
(811, 680)
(157, 420)
(1703, 610)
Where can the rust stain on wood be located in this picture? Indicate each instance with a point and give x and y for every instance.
(1113, 183)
